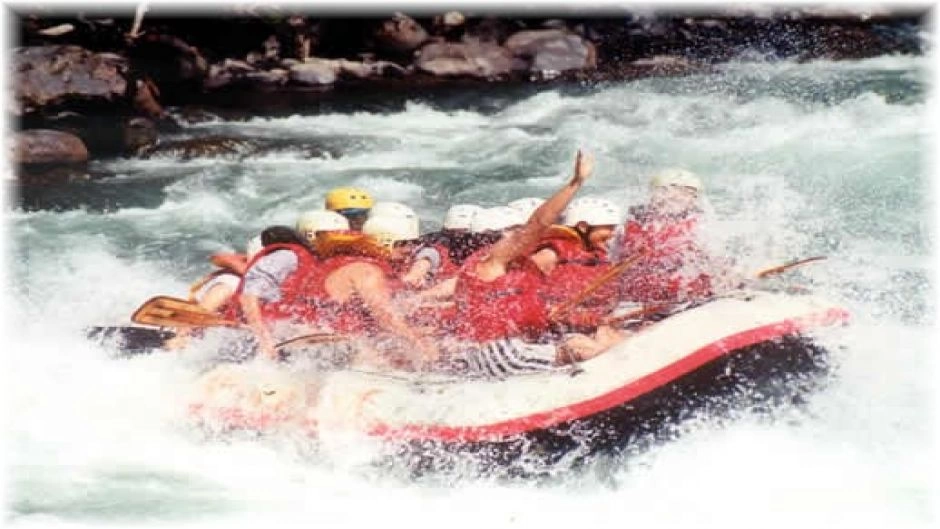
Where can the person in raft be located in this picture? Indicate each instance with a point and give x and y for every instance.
(503, 317)
(350, 202)
(574, 253)
(353, 288)
(675, 267)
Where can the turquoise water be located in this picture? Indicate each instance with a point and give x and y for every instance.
(799, 159)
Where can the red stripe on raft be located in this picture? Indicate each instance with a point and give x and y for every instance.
(616, 397)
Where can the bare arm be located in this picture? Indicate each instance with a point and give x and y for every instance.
(546, 259)
(235, 262)
(252, 311)
(521, 241)
(443, 290)
(371, 286)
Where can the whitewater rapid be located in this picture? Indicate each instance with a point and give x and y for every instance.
(799, 159)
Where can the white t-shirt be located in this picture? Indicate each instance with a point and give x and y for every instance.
(266, 275)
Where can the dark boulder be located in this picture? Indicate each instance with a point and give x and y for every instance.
(399, 35)
(47, 146)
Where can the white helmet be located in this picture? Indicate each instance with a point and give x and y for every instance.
(526, 205)
(395, 209)
(460, 216)
(594, 211)
(389, 229)
(311, 222)
(253, 247)
(496, 219)
(676, 177)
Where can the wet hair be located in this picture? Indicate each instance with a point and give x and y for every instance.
(281, 235)
(460, 244)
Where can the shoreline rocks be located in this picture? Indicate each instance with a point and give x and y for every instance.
(89, 77)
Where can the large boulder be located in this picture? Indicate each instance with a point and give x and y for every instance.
(551, 51)
(47, 146)
(46, 76)
(400, 35)
(473, 59)
(314, 72)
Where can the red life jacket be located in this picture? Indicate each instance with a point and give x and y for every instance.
(350, 316)
(660, 276)
(577, 268)
(508, 306)
(294, 304)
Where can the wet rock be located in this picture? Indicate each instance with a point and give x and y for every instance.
(140, 135)
(47, 146)
(288, 63)
(276, 77)
(449, 59)
(146, 99)
(314, 72)
(490, 29)
(217, 77)
(400, 35)
(57, 31)
(206, 147)
(236, 67)
(450, 24)
(552, 50)
(371, 69)
(55, 75)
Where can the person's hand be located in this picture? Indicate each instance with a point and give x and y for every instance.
(583, 167)
(268, 348)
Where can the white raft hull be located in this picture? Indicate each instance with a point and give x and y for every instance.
(407, 407)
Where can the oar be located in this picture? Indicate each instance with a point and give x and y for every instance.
(605, 278)
(166, 311)
(784, 267)
(659, 307)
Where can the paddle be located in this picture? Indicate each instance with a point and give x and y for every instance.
(659, 307)
(602, 280)
(166, 311)
(784, 267)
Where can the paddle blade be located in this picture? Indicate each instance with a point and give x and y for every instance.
(166, 311)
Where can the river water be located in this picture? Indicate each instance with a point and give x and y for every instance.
(808, 159)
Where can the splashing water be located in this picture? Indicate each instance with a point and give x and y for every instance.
(798, 159)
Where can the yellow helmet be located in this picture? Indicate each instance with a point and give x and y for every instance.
(348, 198)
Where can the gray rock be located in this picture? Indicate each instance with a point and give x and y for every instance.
(140, 135)
(400, 34)
(276, 76)
(314, 72)
(47, 146)
(473, 59)
(236, 66)
(552, 50)
(51, 75)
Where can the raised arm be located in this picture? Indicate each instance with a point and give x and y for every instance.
(521, 241)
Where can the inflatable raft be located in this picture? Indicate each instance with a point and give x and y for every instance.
(754, 340)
